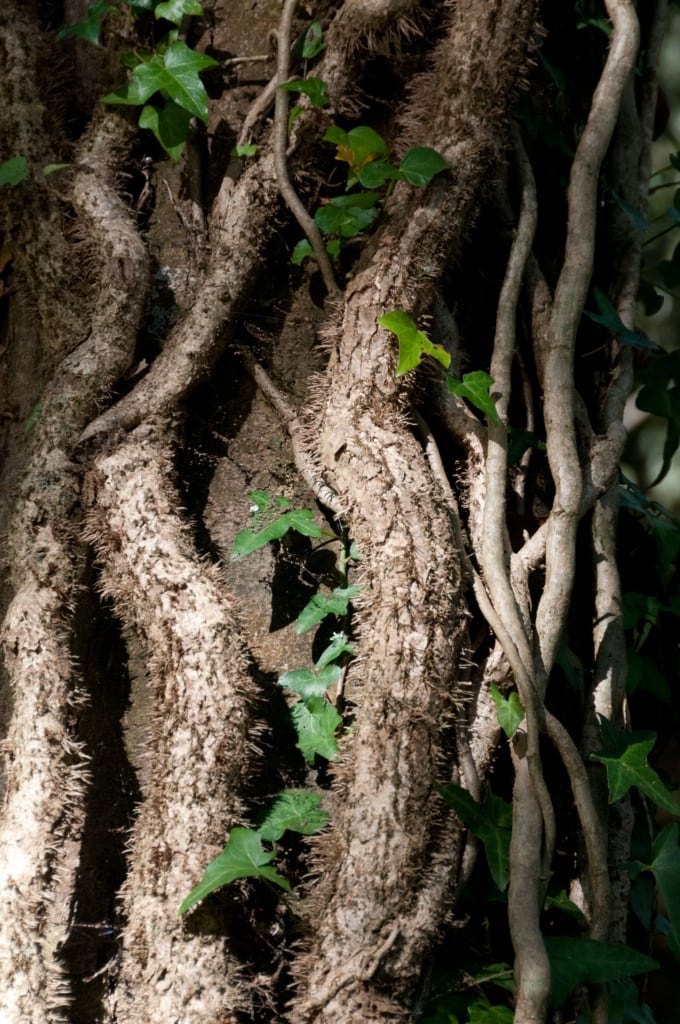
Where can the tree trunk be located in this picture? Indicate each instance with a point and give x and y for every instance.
(162, 359)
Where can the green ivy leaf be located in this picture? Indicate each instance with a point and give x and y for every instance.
(348, 215)
(174, 71)
(518, 442)
(14, 171)
(639, 222)
(665, 867)
(89, 27)
(315, 88)
(242, 857)
(247, 149)
(51, 168)
(626, 764)
(313, 44)
(475, 388)
(339, 645)
(358, 148)
(376, 172)
(660, 395)
(336, 135)
(302, 250)
(252, 539)
(321, 605)
(420, 165)
(413, 343)
(583, 961)
(294, 810)
(316, 722)
(490, 821)
(365, 144)
(309, 683)
(641, 608)
(609, 318)
(480, 1012)
(510, 712)
(169, 124)
(143, 5)
(175, 10)
(33, 418)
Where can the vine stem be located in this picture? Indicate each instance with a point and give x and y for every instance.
(286, 188)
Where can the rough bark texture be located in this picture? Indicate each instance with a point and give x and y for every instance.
(161, 359)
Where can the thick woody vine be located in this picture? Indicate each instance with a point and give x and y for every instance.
(453, 638)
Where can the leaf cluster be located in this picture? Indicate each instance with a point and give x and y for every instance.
(164, 83)
(474, 387)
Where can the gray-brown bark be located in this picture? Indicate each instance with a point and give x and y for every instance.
(126, 315)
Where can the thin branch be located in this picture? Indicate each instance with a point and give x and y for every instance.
(570, 295)
(494, 546)
(307, 468)
(280, 142)
(594, 832)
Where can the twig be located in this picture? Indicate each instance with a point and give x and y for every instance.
(570, 295)
(257, 58)
(257, 110)
(280, 152)
(303, 460)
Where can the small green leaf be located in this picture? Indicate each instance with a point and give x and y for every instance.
(302, 250)
(294, 810)
(510, 712)
(660, 395)
(336, 135)
(640, 608)
(599, 23)
(376, 172)
(313, 44)
(14, 171)
(322, 605)
(609, 318)
(253, 538)
(169, 124)
(413, 343)
(639, 222)
(302, 521)
(626, 764)
(316, 722)
(347, 218)
(51, 168)
(490, 821)
(32, 419)
(420, 165)
(242, 857)
(175, 10)
(583, 961)
(518, 442)
(247, 149)
(175, 73)
(665, 867)
(481, 1012)
(475, 388)
(315, 88)
(89, 27)
(339, 645)
(309, 683)
(246, 541)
